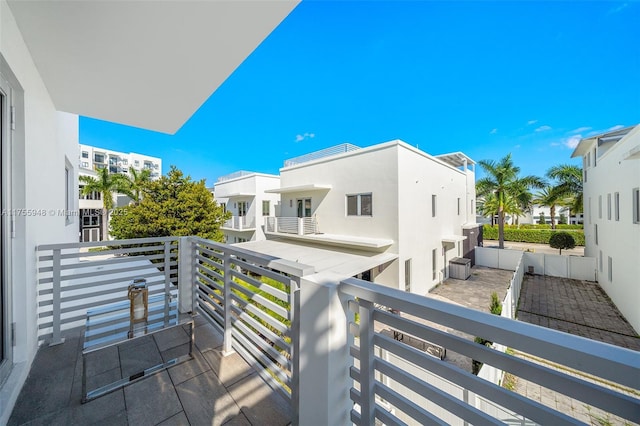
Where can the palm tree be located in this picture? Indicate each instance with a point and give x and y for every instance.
(137, 182)
(549, 197)
(502, 180)
(489, 206)
(569, 178)
(106, 184)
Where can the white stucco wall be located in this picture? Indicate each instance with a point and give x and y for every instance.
(43, 142)
(619, 239)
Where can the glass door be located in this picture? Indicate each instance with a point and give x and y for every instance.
(304, 207)
(5, 312)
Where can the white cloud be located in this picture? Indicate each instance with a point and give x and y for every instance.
(580, 130)
(572, 141)
(543, 128)
(493, 132)
(617, 9)
(616, 127)
(530, 122)
(300, 138)
(516, 147)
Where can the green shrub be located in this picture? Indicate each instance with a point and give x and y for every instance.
(537, 236)
(562, 240)
(495, 307)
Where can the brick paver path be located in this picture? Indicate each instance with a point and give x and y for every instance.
(577, 307)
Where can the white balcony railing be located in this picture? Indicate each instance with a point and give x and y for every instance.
(298, 329)
(240, 223)
(292, 225)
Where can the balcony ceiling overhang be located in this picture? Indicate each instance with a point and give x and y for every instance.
(453, 238)
(341, 261)
(299, 188)
(148, 64)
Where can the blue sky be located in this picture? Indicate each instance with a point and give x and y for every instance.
(485, 78)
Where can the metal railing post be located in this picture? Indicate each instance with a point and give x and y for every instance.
(294, 292)
(56, 337)
(367, 372)
(227, 342)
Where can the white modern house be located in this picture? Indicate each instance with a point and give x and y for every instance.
(245, 194)
(611, 175)
(90, 206)
(409, 212)
(60, 59)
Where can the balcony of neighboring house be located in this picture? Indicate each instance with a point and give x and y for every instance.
(234, 335)
(240, 223)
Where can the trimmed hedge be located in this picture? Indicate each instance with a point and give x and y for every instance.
(537, 236)
(541, 226)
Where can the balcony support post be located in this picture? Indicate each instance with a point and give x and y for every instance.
(227, 348)
(300, 226)
(367, 378)
(56, 338)
(186, 275)
(323, 353)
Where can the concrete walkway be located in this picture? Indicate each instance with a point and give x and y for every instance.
(209, 389)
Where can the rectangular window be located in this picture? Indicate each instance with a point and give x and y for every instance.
(360, 205)
(600, 261)
(407, 275)
(595, 161)
(242, 208)
(595, 233)
(458, 206)
(599, 206)
(266, 207)
(85, 164)
(434, 199)
(224, 207)
(616, 206)
(636, 205)
(589, 210)
(610, 268)
(98, 158)
(609, 206)
(434, 261)
(85, 154)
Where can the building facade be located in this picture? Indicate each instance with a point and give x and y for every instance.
(91, 159)
(244, 195)
(390, 198)
(611, 176)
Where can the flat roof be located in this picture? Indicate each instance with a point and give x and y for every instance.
(456, 159)
(338, 260)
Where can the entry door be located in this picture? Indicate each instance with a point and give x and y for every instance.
(6, 351)
(304, 207)
(242, 208)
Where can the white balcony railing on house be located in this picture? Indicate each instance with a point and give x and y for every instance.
(292, 225)
(234, 175)
(299, 331)
(240, 223)
(323, 153)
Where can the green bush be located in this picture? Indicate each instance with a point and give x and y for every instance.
(495, 307)
(541, 226)
(562, 240)
(537, 236)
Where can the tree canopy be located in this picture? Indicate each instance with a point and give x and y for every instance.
(173, 205)
(562, 240)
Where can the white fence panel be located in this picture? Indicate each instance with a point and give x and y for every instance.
(508, 259)
(536, 260)
(487, 257)
(582, 268)
(556, 265)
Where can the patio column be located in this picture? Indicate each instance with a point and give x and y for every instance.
(323, 352)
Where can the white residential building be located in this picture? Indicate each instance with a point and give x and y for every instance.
(611, 175)
(408, 212)
(244, 195)
(90, 206)
(65, 56)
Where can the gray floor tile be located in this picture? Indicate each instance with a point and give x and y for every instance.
(186, 369)
(151, 400)
(102, 360)
(100, 409)
(259, 403)
(206, 401)
(239, 420)
(230, 369)
(179, 419)
(170, 338)
(207, 338)
(138, 358)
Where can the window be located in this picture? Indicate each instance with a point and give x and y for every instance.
(434, 260)
(360, 205)
(594, 157)
(636, 205)
(595, 233)
(98, 158)
(85, 164)
(304, 207)
(616, 206)
(610, 268)
(407, 275)
(600, 261)
(609, 206)
(136, 163)
(242, 208)
(266, 207)
(458, 206)
(224, 207)
(85, 154)
(434, 199)
(589, 210)
(599, 206)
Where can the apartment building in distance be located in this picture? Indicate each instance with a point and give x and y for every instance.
(611, 176)
(244, 194)
(92, 159)
(406, 212)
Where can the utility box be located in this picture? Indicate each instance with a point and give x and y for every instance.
(460, 268)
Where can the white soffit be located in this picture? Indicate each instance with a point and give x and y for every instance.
(299, 188)
(148, 64)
